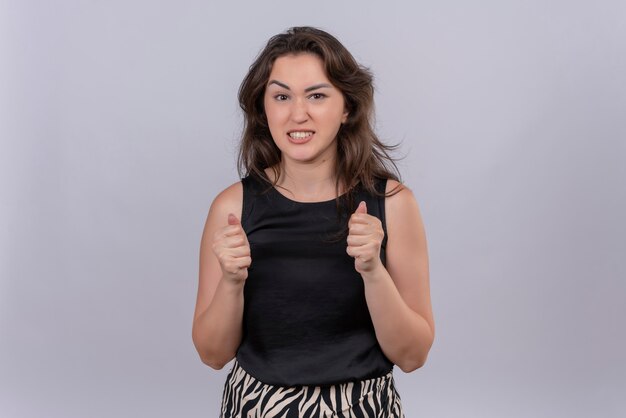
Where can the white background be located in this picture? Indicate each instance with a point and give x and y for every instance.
(119, 124)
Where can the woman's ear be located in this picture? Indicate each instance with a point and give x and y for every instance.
(344, 117)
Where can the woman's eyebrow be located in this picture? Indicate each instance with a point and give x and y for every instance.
(317, 86)
(306, 90)
(283, 85)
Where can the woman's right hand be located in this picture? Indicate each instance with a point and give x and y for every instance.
(231, 247)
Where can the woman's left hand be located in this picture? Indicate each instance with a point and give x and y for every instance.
(365, 236)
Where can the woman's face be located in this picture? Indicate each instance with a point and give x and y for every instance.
(304, 110)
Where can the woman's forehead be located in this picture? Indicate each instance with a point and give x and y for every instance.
(298, 70)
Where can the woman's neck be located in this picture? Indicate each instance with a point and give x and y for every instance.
(308, 182)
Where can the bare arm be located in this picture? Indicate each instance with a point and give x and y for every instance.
(398, 296)
(224, 262)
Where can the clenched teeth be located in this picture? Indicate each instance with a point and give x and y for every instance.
(300, 135)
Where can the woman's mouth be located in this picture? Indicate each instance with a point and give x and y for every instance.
(300, 137)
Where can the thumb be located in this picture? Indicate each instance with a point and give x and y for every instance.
(232, 219)
(362, 208)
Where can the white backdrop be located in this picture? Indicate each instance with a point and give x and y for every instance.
(118, 125)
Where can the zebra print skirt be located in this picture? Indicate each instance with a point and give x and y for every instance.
(246, 397)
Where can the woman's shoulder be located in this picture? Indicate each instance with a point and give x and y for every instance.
(229, 200)
(390, 187)
(400, 202)
(399, 197)
(393, 187)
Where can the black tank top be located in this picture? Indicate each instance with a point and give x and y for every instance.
(305, 319)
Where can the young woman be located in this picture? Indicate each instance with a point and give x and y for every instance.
(314, 267)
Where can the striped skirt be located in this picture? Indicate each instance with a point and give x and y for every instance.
(246, 397)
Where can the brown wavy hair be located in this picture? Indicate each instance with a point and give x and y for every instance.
(361, 156)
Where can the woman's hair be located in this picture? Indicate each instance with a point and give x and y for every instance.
(361, 156)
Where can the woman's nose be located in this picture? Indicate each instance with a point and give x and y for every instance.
(299, 112)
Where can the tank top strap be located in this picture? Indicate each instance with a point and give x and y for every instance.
(253, 187)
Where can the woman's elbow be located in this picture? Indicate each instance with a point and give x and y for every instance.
(212, 358)
(413, 360)
(213, 362)
(410, 365)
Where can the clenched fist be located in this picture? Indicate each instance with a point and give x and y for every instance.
(365, 237)
(231, 247)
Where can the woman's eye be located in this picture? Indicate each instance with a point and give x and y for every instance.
(281, 97)
(317, 96)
